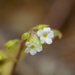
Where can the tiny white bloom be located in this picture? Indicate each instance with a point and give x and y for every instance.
(45, 35)
(33, 47)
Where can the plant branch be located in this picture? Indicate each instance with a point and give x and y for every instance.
(18, 56)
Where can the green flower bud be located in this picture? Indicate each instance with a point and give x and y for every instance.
(2, 56)
(10, 44)
(57, 33)
(25, 36)
(41, 26)
(31, 39)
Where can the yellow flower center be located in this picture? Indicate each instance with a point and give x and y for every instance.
(32, 46)
(45, 35)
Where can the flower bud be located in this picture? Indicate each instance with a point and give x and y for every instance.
(2, 56)
(57, 33)
(25, 36)
(10, 44)
(41, 26)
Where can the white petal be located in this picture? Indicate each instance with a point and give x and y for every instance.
(39, 49)
(40, 32)
(27, 50)
(28, 43)
(35, 43)
(42, 40)
(48, 41)
(47, 30)
(33, 52)
(51, 35)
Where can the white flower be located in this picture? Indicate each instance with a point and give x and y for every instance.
(45, 35)
(33, 47)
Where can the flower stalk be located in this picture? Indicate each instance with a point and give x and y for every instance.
(18, 57)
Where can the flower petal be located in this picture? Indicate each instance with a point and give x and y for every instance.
(28, 43)
(47, 30)
(33, 52)
(36, 43)
(51, 34)
(48, 41)
(27, 50)
(42, 40)
(40, 32)
(39, 49)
